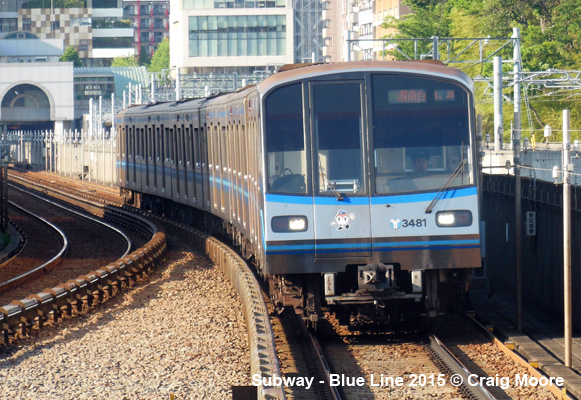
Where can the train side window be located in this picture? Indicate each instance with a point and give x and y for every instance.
(188, 149)
(156, 144)
(167, 143)
(183, 153)
(196, 148)
(173, 145)
(135, 143)
(285, 140)
(143, 143)
(177, 139)
(150, 142)
(131, 142)
(124, 142)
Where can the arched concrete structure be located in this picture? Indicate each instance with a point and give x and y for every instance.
(36, 94)
(26, 102)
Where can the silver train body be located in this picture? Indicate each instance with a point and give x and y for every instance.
(312, 173)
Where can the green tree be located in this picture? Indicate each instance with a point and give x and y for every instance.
(144, 59)
(160, 59)
(428, 18)
(128, 61)
(71, 55)
(566, 30)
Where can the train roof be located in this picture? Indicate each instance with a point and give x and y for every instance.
(183, 105)
(302, 71)
(296, 72)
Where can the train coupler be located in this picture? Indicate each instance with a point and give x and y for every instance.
(376, 277)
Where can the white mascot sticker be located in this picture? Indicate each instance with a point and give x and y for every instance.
(342, 220)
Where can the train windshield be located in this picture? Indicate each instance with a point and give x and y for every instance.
(421, 134)
(285, 140)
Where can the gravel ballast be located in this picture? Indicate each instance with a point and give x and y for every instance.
(183, 332)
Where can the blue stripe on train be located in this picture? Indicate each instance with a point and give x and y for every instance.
(384, 246)
(363, 201)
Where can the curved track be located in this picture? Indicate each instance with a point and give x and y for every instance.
(96, 264)
(19, 268)
(90, 243)
(261, 341)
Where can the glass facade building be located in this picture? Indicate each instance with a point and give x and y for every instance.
(209, 4)
(237, 35)
(227, 36)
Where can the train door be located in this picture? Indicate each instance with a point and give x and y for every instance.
(132, 157)
(203, 148)
(138, 159)
(244, 181)
(223, 171)
(166, 177)
(214, 167)
(174, 155)
(199, 191)
(190, 175)
(181, 164)
(124, 157)
(148, 158)
(158, 182)
(231, 172)
(341, 195)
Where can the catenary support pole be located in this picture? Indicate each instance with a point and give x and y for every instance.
(518, 228)
(498, 120)
(567, 239)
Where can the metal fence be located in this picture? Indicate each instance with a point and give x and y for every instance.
(542, 245)
(85, 155)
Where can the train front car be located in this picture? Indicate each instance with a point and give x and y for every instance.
(371, 201)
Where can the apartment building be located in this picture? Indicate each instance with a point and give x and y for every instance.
(353, 27)
(150, 19)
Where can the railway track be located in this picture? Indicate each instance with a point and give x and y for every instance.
(346, 357)
(98, 245)
(369, 366)
(466, 364)
(19, 268)
(97, 263)
(106, 279)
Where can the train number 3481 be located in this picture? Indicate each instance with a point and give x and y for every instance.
(413, 223)
(408, 223)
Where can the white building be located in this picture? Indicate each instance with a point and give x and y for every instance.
(36, 96)
(354, 28)
(225, 36)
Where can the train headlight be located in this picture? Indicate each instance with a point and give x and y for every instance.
(289, 223)
(454, 218)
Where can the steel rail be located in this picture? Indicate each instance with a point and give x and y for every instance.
(50, 264)
(476, 390)
(324, 367)
(89, 288)
(513, 353)
(82, 215)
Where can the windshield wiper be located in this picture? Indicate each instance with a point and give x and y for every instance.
(334, 190)
(459, 169)
(328, 185)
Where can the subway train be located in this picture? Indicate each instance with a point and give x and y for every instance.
(352, 187)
